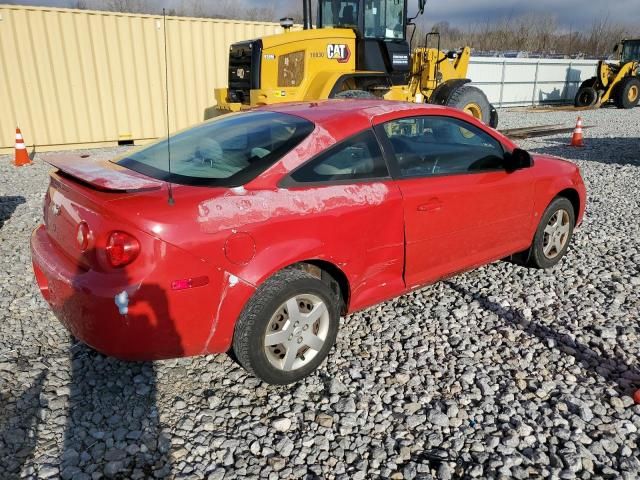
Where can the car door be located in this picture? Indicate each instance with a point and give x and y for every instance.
(359, 215)
(462, 208)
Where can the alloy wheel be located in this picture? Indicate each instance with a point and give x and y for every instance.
(296, 332)
(556, 234)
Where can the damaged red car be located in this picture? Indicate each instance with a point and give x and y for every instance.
(256, 231)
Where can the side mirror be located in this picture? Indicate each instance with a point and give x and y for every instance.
(517, 160)
(615, 48)
(421, 5)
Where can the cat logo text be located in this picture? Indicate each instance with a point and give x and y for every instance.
(339, 52)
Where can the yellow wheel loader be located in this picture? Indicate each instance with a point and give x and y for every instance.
(358, 49)
(618, 81)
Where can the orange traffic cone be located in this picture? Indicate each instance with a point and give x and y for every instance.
(22, 157)
(576, 138)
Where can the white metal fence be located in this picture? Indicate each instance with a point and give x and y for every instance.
(524, 81)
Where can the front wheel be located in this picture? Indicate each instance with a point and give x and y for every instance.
(473, 101)
(553, 235)
(287, 328)
(627, 93)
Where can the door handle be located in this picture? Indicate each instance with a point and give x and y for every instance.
(431, 205)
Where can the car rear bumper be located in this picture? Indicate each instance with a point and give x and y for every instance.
(158, 322)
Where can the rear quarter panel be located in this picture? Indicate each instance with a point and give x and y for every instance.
(357, 227)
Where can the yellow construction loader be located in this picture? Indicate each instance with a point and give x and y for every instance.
(618, 81)
(358, 48)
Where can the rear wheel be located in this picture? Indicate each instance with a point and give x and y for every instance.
(553, 235)
(354, 94)
(473, 101)
(628, 93)
(287, 328)
(586, 97)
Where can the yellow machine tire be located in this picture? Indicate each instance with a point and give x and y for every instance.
(471, 100)
(627, 93)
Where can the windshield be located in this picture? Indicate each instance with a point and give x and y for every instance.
(228, 151)
(339, 13)
(631, 51)
(384, 19)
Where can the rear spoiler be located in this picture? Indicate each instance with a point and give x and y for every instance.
(102, 175)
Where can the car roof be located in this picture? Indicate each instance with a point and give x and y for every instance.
(350, 114)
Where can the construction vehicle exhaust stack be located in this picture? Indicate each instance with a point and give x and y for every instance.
(358, 49)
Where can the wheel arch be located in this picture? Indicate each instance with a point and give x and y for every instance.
(572, 195)
(331, 274)
(443, 92)
(362, 79)
(235, 300)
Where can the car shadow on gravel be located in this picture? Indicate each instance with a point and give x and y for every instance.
(19, 427)
(610, 151)
(605, 365)
(113, 425)
(8, 205)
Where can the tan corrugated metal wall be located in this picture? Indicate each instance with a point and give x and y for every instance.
(78, 77)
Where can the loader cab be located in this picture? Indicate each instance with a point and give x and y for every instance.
(373, 19)
(380, 27)
(630, 51)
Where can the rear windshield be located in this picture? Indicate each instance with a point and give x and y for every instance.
(228, 151)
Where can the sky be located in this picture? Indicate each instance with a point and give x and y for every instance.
(568, 13)
(574, 14)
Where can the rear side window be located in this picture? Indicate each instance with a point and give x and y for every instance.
(227, 151)
(357, 158)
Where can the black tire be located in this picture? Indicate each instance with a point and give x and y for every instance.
(493, 122)
(354, 94)
(627, 93)
(251, 327)
(536, 255)
(467, 95)
(586, 97)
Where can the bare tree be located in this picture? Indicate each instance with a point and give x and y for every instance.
(539, 34)
(128, 6)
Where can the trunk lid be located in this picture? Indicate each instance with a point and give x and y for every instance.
(82, 190)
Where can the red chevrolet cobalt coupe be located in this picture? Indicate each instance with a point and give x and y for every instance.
(267, 225)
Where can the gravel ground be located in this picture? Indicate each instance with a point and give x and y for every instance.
(502, 372)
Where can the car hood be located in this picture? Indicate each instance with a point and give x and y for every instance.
(552, 161)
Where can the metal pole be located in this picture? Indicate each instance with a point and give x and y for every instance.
(504, 67)
(535, 84)
(569, 82)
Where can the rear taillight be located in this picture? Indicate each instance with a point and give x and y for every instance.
(122, 249)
